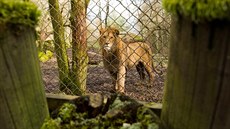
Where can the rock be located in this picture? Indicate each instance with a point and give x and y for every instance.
(98, 111)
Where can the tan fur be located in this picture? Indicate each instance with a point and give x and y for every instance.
(119, 56)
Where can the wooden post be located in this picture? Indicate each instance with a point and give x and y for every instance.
(197, 91)
(22, 98)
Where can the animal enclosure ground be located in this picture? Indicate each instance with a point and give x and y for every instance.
(99, 80)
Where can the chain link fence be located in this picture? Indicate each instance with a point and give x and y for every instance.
(137, 20)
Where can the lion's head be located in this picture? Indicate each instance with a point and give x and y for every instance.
(108, 38)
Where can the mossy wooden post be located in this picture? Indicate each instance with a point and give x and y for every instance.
(197, 91)
(22, 98)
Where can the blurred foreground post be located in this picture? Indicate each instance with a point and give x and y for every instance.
(22, 98)
(197, 91)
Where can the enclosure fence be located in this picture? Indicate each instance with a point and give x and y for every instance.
(63, 39)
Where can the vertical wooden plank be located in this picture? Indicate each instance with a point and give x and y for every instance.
(221, 118)
(176, 70)
(21, 89)
(7, 122)
(197, 55)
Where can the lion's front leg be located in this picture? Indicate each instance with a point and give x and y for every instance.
(120, 82)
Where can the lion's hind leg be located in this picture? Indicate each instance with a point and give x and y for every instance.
(141, 69)
(149, 69)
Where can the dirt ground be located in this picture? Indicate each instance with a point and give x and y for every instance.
(99, 80)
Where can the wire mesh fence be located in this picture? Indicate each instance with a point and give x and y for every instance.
(136, 20)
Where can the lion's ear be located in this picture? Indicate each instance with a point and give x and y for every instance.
(116, 32)
(101, 30)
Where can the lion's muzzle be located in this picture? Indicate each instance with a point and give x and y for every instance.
(107, 47)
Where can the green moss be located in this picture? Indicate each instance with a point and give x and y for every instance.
(66, 111)
(18, 12)
(118, 112)
(52, 124)
(199, 10)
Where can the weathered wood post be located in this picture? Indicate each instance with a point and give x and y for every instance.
(22, 98)
(197, 91)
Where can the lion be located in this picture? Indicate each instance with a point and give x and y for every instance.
(119, 56)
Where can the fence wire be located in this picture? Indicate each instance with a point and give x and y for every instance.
(137, 20)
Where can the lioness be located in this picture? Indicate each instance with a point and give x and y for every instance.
(119, 56)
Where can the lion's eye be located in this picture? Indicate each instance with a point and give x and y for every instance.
(104, 36)
(111, 37)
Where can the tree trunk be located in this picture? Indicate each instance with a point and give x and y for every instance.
(60, 45)
(79, 45)
(22, 97)
(99, 14)
(107, 13)
(197, 88)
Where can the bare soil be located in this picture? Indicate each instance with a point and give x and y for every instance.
(99, 80)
